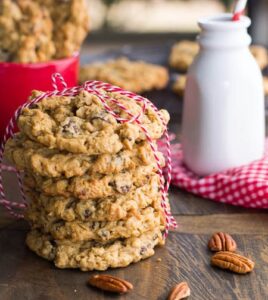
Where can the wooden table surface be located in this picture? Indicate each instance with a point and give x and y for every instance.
(185, 257)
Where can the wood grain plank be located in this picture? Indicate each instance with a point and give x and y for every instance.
(185, 257)
(184, 203)
(211, 283)
(232, 223)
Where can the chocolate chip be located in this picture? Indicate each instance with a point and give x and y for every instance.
(53, 243)
(70, 204)
(103, 116)
(128, 138)
(104, 233)
(82, 192)
(58, 224)
(124, 189)
(143, 250)
(74, 109)
(120, 186)
(155, 237)
(87, 213)
(112, 184)
(70, 127)
(95, 225)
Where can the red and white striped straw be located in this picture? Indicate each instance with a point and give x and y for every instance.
(239, 9)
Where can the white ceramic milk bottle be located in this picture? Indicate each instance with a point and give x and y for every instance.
(223, 115)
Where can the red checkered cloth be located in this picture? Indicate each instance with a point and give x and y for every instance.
(243, 186)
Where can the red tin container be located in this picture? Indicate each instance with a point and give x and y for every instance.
(18, 80)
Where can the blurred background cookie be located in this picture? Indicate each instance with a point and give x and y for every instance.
(265, 83)
(260, 54)
(178, 86)
(182, 55)
(135, 76)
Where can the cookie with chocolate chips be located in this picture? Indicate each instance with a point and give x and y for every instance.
(74, 124)
(112, 208)
(34, 157)
(135, 76)
(91, 255)
(103, 231)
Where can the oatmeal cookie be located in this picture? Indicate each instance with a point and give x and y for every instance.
(182, 55)
(36, 31)
(260, 54)
(91, 187)
(94, 256)
(80, 124)
(265, 83)
(135, 76)
(112, 208)
(35, 158)
(10, 15)
(179, 85)
(70, 25)
(25, 32)
(77, 231)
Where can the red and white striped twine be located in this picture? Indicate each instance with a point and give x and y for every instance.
(239, 9)
(56, 77)
(96, 88)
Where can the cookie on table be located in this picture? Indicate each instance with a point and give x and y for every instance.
(179, 85)
(91, 187)
(33, 157)
(90, 256)
(260, 54)
(102, 231)
(182, 55)
(135, 76)
(81, 124)
(112, 208)
(265, 83)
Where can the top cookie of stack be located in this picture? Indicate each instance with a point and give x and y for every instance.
(92, 181)
(40, 30)
(82, 125)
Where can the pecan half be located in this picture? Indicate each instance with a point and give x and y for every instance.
(110, 283)
(221, 241)
(233, 262)
(180, 291)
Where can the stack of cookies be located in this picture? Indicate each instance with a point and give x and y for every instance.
(92, 181)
